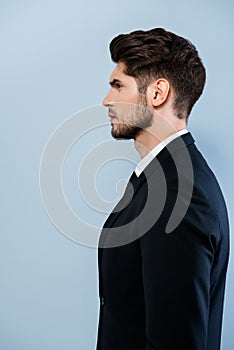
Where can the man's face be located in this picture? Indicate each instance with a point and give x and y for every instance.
(128, 110)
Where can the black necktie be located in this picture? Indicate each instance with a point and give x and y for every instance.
(133, 177)
(121, 205)
(128, 193)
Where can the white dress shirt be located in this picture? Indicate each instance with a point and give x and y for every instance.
(152, 154)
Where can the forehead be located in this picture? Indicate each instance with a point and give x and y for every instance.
(118, 73)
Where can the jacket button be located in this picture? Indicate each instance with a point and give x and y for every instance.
(102, 301)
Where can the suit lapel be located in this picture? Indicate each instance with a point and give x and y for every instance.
(130, 191)
(135, 183)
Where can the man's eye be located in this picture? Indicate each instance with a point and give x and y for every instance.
(118, 85)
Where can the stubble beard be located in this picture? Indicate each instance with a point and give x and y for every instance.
(140, 118)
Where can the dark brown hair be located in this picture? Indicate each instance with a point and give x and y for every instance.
(157, 53)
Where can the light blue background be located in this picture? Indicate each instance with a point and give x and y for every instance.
(55, 62)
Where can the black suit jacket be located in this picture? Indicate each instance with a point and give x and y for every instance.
(164, 288)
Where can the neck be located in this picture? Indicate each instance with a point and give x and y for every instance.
(145, 142)
(149, 138)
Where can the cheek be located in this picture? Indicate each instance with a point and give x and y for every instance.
(126, 111)
(132, 96)
(127, 100)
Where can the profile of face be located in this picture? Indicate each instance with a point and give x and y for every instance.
(127, 108)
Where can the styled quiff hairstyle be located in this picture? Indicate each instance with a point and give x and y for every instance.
(157, 53)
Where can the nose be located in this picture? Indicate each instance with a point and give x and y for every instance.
(106, 101)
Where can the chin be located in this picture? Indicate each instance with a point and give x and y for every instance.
(126, 133)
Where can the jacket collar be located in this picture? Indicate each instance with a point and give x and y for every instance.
(167, 152)
(135, 183)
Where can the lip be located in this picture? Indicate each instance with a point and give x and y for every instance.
(112, 117)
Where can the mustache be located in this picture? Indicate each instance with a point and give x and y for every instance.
(111, 112)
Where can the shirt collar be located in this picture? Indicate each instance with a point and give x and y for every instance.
(152, 154)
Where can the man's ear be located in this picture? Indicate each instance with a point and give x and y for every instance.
(158, 92)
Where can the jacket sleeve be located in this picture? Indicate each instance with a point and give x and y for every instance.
(176, 279)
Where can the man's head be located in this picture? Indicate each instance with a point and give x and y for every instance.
(157, 62)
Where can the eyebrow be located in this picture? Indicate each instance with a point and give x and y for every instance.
(114, 81)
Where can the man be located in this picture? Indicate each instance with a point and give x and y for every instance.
(163, 251)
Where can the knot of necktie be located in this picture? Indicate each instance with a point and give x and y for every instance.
(133, 177)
